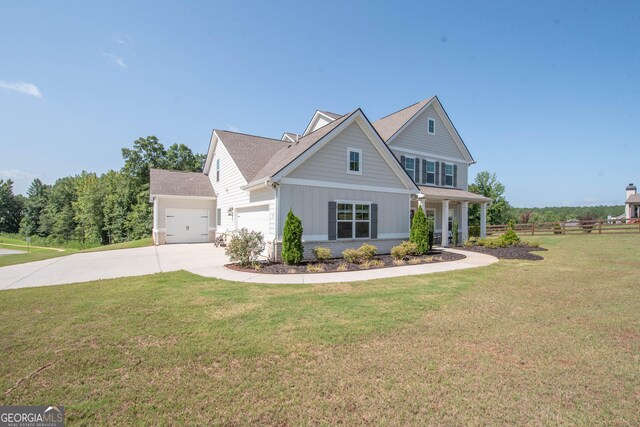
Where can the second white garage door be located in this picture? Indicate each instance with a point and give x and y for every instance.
(255, 218)
(187, 225)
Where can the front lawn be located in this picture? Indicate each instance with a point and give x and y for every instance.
(519, 342)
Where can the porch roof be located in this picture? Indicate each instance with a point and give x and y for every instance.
(439, 193)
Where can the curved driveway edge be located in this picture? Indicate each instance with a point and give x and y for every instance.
(472, 260)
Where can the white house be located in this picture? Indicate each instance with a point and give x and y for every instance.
(349, 180)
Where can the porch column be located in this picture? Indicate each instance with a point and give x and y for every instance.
(464, 220)
(155, 220)
(445, 223)
(483, 220)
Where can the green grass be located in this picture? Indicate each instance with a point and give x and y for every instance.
(517, 343)
(39, 253)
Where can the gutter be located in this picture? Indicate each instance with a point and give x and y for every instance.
(262, 182)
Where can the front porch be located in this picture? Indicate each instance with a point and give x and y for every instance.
(446, 204)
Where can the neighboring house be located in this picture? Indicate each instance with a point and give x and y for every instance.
(349, 180)
(632, 204)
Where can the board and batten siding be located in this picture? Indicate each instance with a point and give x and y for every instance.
(228, 191)
(311, 205)
(329, 164)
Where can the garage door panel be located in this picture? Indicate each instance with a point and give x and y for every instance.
(187, 225)
(254, 218)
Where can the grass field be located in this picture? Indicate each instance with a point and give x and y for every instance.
(517, 343)
(38, 253)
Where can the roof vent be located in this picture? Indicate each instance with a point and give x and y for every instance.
(631, 187)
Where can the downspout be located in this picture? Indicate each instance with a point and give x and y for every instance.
(274, 243)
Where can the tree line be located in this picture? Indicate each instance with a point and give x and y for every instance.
(563, 213)
(95, 209)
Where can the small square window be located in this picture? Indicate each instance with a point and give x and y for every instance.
(432, 126)
(354, 161)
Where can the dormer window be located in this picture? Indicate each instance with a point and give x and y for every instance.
(354, 161)
(431, 126)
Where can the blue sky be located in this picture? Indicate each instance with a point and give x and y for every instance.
(546, 93)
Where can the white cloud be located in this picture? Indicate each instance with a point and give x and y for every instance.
(232, 128)
(122, 38)
(22, 87)
(21, 179)
(115, 59)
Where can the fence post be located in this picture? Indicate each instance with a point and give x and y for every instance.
(533, 228)
(600, 227)
(563, 229)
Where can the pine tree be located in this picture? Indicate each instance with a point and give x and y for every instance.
(292, 249)
(419, 233)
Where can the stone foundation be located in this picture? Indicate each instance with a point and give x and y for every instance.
(337, 246)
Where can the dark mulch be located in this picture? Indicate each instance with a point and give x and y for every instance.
(510, 252)
(333, 264)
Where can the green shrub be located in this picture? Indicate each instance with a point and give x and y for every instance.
(244, 246)
(321, 253)
(316, 268)
(367, 251)
(292, 249)
(474, 231)
(419, 233)
(398, 252)
(454, 232)
(410, 247)
(430, 230)
(352, 255)
(510, 237)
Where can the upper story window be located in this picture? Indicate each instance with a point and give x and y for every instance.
(431, 126)
(448, 175)
(430, 172)
(410, 166)
(354, 161)
(217, 170)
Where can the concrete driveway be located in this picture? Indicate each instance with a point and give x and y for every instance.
(112, 264)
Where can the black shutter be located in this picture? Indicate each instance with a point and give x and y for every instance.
(437, 173)
(424, 171)
(402, 162)
(417, 171)
(374, 221)
(443, 174)
(455, 176)
(332, 221)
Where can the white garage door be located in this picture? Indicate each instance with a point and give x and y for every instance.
(187, 225)
(255, 218)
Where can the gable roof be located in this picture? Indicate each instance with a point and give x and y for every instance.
(249, 152)
(330, 117)
(290, 152)
(334, 116)
(178, 183)
(389, 125)
(291, 136)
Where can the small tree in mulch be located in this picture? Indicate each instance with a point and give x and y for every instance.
(419, 233)
(292, 249)
(245, 246)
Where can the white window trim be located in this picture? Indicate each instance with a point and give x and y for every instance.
(353, 221)
(429, 120)
(444, 184)
(354, 150)
(427, 172)
(413, 170)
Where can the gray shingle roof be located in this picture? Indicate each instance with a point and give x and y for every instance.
(290, 152)
(249, 152)
(439, 193)
(634, 198)
(178, 183)
(389, 125)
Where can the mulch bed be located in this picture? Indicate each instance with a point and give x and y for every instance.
(333, 264)
(510, 252)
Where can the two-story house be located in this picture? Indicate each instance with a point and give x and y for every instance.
(348, 179)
